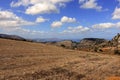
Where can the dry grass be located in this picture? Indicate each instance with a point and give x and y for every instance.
(32, 61)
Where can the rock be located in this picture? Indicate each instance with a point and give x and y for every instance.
(90, 44)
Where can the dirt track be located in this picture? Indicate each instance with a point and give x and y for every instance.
(32, 61)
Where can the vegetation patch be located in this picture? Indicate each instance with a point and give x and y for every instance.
(58, 73)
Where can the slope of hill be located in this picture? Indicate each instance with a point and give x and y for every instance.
(21, 60)
(13, 37)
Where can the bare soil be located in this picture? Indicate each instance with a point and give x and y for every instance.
(21, 60)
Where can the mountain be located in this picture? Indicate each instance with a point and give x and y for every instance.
(47, 40)
(13, 37)
(85, 44)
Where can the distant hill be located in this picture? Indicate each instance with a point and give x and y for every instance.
(90, 44)
(47, 40)
(92, 41)
(87, 44)
(13, 37)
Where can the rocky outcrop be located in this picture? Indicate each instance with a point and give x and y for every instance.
(86, 44)
(90, 44)
(112, 46)
(116, 40)
(116, 44)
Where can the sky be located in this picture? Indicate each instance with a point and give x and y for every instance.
(64, 19)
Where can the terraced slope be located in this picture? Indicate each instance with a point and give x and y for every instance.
(34, 61)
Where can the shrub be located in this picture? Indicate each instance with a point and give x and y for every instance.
(63, 45)
(116, 52)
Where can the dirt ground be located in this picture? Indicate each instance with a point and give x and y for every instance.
(34, 61)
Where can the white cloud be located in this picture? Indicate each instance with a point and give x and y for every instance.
(106, 25)
(20, 3)
(99, 28)
(63, 20)
(103, 25)
(40, 6)
(56, 24)
(9, 19)
(116, 13)
(32, 2)
(118, 24)
(11, 23)
(77, 29)
(66, 19)
(90, 4)
(41, 20)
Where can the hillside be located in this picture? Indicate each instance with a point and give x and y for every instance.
(21, 60)
(13, 37)
(88, 44)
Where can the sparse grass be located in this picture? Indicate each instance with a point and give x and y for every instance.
(21, 60)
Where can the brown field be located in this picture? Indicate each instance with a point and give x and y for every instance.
(34, 61)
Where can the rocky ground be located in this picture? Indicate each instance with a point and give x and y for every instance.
(21, 60)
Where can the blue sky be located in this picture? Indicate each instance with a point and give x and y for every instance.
(67, 19)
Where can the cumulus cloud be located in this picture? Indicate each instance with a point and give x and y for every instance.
(11, 23)
(118, 24)
(41, 19)
(100, 27)
(103, 25)
(116, 13)
(66, 19)
(106, 25)
(9, 19)
(77, 29)
(62, 21)
(90, 4)
(56, 24)
(20, 3)
(32, 2)
(40, 6)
